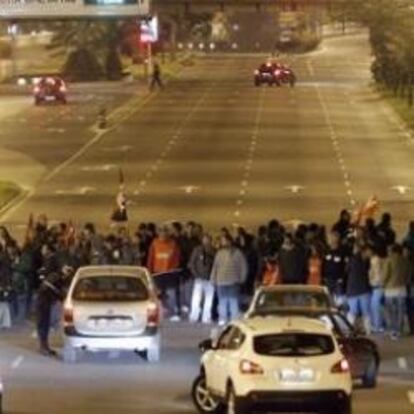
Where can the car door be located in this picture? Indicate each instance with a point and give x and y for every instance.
(226, 357)
(353, 346)
(217, 359)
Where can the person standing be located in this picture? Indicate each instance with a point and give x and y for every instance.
(293, 262)
(314, 267)
(229, 272)
(358, 290)
(376, 280)
(49, 293)
(333, 268)
(200, 265)
(164, 260)
(395, 289)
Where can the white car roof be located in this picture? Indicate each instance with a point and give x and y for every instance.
(278, 325)
(112, 270)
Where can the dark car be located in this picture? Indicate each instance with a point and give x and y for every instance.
(265, 73)
(50, 88)
(272, 73)
(361, 352)
(284, 75)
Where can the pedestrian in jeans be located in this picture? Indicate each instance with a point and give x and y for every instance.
(358, 290)
(200, 265)
(395, 287)
(228, 273)
(408, 253)
(376, 280)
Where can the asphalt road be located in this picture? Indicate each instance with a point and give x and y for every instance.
(210, 147)
(124, 384)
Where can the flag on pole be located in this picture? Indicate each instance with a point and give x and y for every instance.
(119, 214)
(30, 229)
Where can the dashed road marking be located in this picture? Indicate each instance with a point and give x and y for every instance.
(410, 395)
(17, 362)
(402, 363)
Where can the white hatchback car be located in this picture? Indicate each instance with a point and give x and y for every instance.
(273, 364)
(112, 308)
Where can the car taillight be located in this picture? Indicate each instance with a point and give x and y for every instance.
(249, 367)
(341, 367)
(36, 89)
(62, 89)
(277, 72)
(153, 314)
(68, 316)
(256, 72)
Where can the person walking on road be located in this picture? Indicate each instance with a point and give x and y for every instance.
(228, 274)
(200, 265)
(156, 77)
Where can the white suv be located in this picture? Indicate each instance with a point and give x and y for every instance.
(112, 308)
(273, 364)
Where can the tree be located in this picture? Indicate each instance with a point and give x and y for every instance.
(88, 42)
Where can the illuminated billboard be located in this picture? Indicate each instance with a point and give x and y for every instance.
(149, 30)
(26, 9)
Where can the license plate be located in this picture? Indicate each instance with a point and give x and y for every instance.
(298, 376)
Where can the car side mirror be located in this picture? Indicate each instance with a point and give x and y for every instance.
(206, 345)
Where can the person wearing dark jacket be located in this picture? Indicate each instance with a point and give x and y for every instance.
(50, 291)
(358, 289)
(292, 262)
(333, 268)
(200, 265)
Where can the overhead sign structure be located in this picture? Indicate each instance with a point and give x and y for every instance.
(28, 9)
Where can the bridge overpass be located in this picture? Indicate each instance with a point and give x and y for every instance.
(187, 6)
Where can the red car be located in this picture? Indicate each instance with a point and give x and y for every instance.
(50, 88)
(284, 75)
(272, 73)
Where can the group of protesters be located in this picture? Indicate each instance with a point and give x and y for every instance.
(208, 278)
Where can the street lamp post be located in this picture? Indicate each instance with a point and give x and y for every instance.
(12, 31)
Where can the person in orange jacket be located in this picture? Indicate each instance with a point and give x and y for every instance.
(314, 267)
(271, 273)
(164, 264)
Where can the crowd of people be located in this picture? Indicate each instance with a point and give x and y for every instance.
(364, 266)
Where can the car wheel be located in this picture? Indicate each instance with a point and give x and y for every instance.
(345, 407)
(234, 405)
(69, 355)
(369, 380)
(152, 354)
(203, 400)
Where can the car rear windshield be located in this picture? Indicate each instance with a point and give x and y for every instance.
(293, 345)
(110, 289)
(291, 299)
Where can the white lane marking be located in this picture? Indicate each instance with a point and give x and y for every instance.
(76, 191)
(94, 168)
(17, 362)
(402, 363)
(295, 189)
(401, 189)
(57, 130)
(410, 395)
(189, 189)
(122, 148)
